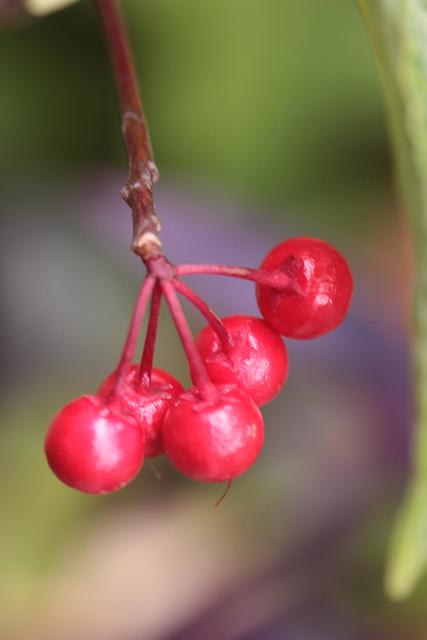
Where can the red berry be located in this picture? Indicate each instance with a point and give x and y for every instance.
(323, 288)
(92, 447)
(146, 406)
(215, 440)
(257, 359)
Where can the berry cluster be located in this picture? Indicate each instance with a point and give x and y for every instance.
(214, 431)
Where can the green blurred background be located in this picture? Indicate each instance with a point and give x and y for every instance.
(267, 120)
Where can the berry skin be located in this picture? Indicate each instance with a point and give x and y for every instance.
(215, 440)
(146, 406)
(92, 447)
(257, 360)
(323, 284)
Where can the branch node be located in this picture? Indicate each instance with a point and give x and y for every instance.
(147, 246)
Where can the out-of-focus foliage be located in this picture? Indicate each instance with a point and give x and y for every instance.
(399, 33)
(265, 98)
(41, 7)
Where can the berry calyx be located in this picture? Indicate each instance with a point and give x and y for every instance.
(255, 359)
(147, 406)
(213, 440)
(92, 447)
(322, 286)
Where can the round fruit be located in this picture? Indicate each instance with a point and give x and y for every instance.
(92, 447)
(320, 289)
(256, 359)
(146, 406)
(215, 440)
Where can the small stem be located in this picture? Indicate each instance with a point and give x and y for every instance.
(132, 335)
(144, 372)
(274, 279)
(198, 372)
(143, 173)
(223, 495)
(208, 313)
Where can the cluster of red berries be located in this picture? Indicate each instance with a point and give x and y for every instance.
(214, 431)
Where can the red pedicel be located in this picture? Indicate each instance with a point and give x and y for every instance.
(92, 447)
(146, 406)
(213, 440)
(322, 284)
(256, 358)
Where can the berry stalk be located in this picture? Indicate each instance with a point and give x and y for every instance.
(198, 371)
(275, 280)
(146, 366)
(132, 335)
(143, 173)
(207, 312)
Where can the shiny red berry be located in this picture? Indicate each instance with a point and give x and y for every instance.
(256, 359)
(92, 447)
(320, 290)
(146, 406)
(213, 440)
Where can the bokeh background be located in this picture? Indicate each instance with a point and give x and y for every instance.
(267, 121)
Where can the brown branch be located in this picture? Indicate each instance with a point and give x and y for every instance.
(143, 173)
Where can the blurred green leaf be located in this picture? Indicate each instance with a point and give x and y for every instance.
(399, 32)
(268, 98)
